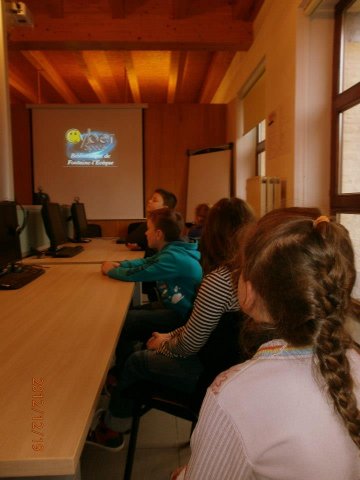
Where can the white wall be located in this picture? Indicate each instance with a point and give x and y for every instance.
(297, 53)
(313, 110)
(244, 149)
(6, 165)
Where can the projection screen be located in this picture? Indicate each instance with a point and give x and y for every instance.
(91, 152)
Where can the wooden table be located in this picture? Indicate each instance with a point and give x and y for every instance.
(57, 338)
(97, 251)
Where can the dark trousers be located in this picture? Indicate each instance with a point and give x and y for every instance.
(139, 325)
(181, 374)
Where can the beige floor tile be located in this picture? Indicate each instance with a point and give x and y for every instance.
(155, 463)
(162, 446)
(157, 430)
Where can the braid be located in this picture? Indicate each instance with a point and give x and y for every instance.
(335, 369)
(332, 340)
(313, 262)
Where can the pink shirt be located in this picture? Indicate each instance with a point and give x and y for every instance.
(269, 418)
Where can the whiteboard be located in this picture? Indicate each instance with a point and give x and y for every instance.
(209, 179)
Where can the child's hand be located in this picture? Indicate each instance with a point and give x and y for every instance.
(133, 246)
(106, 266)
(179, 473)
(157, 339)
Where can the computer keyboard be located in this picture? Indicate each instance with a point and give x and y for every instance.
(17, 279)
(65, 252)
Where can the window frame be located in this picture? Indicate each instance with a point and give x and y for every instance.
(260, 148)
(342, 101)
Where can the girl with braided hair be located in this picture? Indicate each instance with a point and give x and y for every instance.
(292, 411)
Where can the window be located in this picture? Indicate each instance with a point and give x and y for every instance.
(260, 149)
(352, 223)
(349, 73)
(349, 151)
(345, 166)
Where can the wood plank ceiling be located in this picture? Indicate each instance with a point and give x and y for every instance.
(125, 51)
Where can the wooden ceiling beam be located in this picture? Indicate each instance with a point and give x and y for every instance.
(116, 77)
(118, 8)
(246, 10)
(56, 8)
(93, 62)
(41, 63)
(180, 8)
(132, 77)
(23, 88)
(218, 66)
(211, 33)
(97, 88)
(177, 65)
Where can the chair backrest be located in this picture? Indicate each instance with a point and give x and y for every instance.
(220, 352)
(93, 230)
(133, 226)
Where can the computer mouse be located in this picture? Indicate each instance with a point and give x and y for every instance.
(120, 240)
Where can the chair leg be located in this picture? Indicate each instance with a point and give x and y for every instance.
(132, 443)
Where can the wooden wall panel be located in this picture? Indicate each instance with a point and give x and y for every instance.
(21, 145)
(170, 130)
(114, 228)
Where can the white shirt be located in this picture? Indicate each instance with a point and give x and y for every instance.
(270, 419)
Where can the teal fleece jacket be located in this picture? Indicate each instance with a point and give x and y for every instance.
(175, 269)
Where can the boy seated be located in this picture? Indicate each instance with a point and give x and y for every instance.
(177, 272)
(136, 239)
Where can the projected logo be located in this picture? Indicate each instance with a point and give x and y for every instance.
(91, 148)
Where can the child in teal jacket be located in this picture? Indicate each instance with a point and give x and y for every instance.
(175, 269)
(177, 272)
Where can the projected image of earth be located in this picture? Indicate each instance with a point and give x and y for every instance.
(90, 148)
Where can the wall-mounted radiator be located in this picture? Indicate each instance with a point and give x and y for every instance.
(264, 194)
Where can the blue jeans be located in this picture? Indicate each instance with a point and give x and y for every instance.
(180, 374)
(139, 325)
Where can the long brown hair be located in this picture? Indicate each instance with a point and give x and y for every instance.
(218, 241)
(303, 271)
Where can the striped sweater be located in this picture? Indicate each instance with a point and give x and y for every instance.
(216, 296)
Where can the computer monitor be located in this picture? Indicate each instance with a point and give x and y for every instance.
(54, 224)
(10, 251)
(78, 215)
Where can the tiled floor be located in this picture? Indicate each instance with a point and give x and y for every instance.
(162, 446)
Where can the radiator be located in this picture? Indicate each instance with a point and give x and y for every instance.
(263, 194)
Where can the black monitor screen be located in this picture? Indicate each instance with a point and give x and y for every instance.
(79, 219)
(54, 224)
(10, 251)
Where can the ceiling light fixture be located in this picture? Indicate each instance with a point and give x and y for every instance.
(18, 14)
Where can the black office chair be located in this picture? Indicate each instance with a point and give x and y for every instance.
(133, 226)
(93, 230)
(221, 351)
